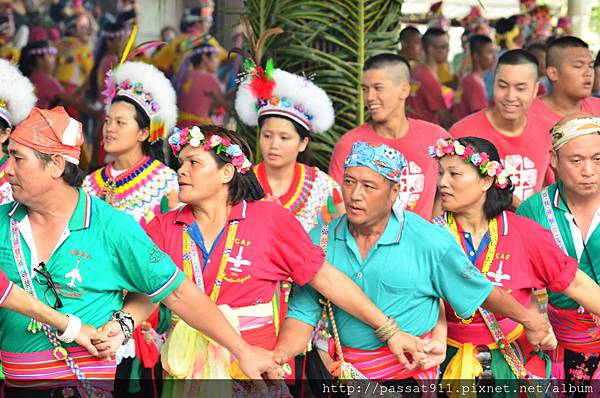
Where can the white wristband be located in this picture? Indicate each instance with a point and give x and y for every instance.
(72, 330)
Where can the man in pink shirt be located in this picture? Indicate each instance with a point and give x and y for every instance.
(386, 87)
(471, 95)
(427, 102)
(570, 68)
(522, 139)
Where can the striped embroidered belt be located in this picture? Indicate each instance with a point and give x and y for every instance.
(44, 369)
(382, 364)
(575, 331)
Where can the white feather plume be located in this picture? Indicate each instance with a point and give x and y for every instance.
(297, 90)
(17, 91)
(153, 81)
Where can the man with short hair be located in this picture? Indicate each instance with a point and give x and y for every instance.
(471, 95)
(79, 254)
(386, 86)
(410, 40)
(404, 264)
(570, 68)
(522, 139)
(428, 101)
(570, 209)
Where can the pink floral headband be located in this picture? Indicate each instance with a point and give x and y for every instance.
(194, 137)
(478, 159)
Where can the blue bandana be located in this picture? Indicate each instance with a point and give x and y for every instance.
(378, 157)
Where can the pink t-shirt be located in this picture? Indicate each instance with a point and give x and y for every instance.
(590, 105)
(47, 89)
(418, 181)
(426, 95)
(526, 156)
(196, 97)
(470, 97)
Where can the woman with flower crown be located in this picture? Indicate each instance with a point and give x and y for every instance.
(237, 249)
(141, 110)
(515, 253)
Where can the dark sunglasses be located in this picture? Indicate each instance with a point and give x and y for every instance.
(44, 278)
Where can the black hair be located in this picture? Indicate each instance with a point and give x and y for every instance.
(408, 32)
(186, 23)
(504, 25)
(384, 60)
(197, 58)
(3, 126)
(478, 42)
(28, 61)
(242, 186)
(536, 47)
(518, 57)
(553, 56)
(430, 35)
(102, 50)
(496, 199)
(72, 174)
(143, 121)
(306, 156)
(597, 62)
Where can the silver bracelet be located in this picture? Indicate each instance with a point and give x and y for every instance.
(72, 330)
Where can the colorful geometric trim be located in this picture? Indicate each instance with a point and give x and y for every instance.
(138, 191)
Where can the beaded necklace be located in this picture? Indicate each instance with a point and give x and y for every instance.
(296, 197)
(489, 256)
(137, 191)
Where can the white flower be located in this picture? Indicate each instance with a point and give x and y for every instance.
(196, 133)
(195, 142)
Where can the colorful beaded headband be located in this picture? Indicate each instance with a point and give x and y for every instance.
(113, 35)
(478, 159)
(194, 137)
(204, 50)
(43, 51)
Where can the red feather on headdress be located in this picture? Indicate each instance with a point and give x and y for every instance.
(261, 86)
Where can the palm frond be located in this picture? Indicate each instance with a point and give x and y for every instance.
(330, 39)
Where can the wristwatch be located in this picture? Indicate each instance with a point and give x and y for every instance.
(126, 321)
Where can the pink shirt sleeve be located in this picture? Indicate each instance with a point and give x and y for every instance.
(432, 93)
(292, 251)
(338, 157)
(474, 96)
(5, 287)
(549, 265)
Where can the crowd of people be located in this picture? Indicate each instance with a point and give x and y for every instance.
(454, 240)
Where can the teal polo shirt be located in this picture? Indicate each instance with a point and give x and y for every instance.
(533, 208)
(110, 252)
(413, 264)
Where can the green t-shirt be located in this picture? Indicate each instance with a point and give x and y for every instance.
(533, 208)
(106, 249)
(413, 264)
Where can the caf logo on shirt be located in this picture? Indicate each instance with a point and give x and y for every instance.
(238, 264)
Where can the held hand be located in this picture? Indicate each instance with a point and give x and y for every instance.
(84, 338)
(109, 338)
(401, 343)
(435, 354)
(550, 342)
(537, 330)
(255, 362)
